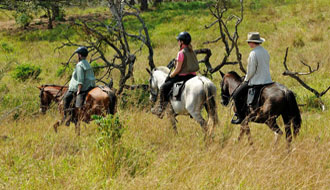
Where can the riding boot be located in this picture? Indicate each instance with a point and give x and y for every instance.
(159, 109)
(240, 112)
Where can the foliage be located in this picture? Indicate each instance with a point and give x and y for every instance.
(23, 19)
(138, 98)
(114, 154)
(6, 47)
(26, 71)
(96, 67)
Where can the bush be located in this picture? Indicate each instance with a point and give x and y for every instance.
(7, 48)
(109, 142)
(26, 71)
(62, 70)
(23, 19)
(135, 98)
(95, 67)
(115, 154)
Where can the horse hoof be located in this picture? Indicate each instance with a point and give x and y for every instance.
(55, 129)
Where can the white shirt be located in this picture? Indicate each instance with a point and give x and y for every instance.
(258, 67)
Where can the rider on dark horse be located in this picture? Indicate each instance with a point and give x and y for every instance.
(257, 75)
(81, 82)
(186, 66)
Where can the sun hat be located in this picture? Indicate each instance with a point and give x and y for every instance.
(255, 37)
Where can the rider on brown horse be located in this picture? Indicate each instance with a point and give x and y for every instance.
(81, 82)
(258, 75)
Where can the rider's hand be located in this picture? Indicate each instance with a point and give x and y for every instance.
(167, 78)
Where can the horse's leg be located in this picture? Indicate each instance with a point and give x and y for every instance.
(271, 123)
(288, 133)
(198, 117)
(56, 125)
(77, 121)
(245, 129)
(172, 119)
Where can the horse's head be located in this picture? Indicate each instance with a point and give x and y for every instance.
(157, 77)
(49, 93)
(229, 83)
(45, 99)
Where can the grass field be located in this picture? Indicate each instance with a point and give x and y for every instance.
(149, 155)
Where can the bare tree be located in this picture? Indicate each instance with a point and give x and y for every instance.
(296, 75)
(113, 44)
(229, 39)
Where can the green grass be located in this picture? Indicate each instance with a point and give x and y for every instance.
(32, 156)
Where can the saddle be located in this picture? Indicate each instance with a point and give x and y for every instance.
(178, 87)
(253, 96)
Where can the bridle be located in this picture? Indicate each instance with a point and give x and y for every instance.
(152, 92)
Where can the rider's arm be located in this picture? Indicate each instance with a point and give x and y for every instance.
(80, 77)
(252, 66)
(178, 65)
(177, 69)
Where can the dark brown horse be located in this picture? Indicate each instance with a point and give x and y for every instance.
(97, 102)
(274, 100)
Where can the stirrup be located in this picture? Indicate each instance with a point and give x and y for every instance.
(238, 119)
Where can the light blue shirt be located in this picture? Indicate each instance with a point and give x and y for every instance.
(258, 67)
(83, 74)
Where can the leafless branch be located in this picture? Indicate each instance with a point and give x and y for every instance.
(296, 75)
(111, 42)
(229, 40)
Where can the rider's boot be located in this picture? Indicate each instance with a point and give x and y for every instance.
(240, 112)
(159, 109)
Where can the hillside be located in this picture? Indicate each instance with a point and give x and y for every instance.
(150, 155)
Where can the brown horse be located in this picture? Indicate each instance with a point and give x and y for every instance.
(274, 100)
(98, 101)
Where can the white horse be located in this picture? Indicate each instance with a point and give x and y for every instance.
(198, 92)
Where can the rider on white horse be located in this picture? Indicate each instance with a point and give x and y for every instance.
(185, 68)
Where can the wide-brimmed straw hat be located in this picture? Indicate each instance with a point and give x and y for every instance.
(255, 37)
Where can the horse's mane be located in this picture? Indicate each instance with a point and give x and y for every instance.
(53, 85)
(163, 68)
(235, 75)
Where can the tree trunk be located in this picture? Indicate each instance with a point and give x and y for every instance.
(144, 5)
(56, 12)
(157, 2)
(50, 19)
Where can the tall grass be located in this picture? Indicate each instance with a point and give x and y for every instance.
(152, 156)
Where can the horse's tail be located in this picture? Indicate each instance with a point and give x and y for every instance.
(293, 111)
(112, 103)
(210, 104)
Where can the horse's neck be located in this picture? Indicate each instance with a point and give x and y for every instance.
(233, 86)
(57, 91)
(160, 78)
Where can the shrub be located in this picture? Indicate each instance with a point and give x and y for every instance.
(26, 71)
(23, 19)
(114, 153)
(135, 98)
(6, 47)
(109, 142)
(62, 70)
(95, 67)
(298, 42)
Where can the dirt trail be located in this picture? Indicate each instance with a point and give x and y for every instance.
(42, 23)
(6, 25)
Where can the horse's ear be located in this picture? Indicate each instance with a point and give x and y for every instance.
(39, 87)
(222, 74)
(148, 71)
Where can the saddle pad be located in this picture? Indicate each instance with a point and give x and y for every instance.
(105, 89)
(177, 88)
